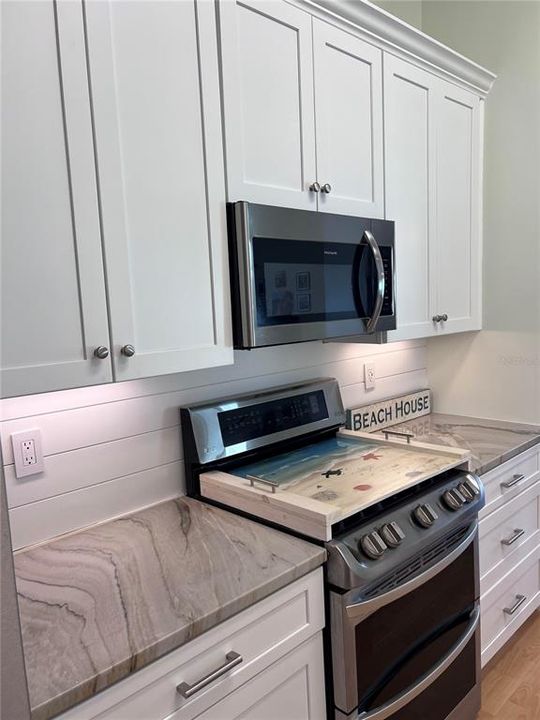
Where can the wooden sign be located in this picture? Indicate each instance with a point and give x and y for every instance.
(370, 418)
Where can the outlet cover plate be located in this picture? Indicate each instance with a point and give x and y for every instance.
(369, 375)
(18, 439)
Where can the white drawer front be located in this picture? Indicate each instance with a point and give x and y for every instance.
(508, 535)
(261, 635)
(521, 595)
(291, 688)
(509, 479)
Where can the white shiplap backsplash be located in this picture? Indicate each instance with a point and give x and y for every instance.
(112, 449)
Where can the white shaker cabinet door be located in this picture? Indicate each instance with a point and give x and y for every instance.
(267, 71)
(154, 77)
(410, 155)
(54, 313)
(458, 212)
(292, 688)
(349, 122)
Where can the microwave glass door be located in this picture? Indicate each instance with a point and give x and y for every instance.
(312, 281)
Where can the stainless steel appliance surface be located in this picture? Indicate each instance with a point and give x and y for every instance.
(402, 577)
(299, 275)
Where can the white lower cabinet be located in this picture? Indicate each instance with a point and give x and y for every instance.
(509, 543)
(280, 673)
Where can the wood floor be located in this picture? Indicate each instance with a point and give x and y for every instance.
(511, 681)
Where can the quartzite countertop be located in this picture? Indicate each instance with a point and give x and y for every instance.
(491, 442)
(99, 604)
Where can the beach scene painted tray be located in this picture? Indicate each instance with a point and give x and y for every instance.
(311, 488)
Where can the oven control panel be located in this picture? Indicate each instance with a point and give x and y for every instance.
(386, 540)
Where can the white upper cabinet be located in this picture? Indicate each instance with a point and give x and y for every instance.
(267, 69)
(458, 209)
(302, 111)
(348, 112)
(433, 141)
(54, 313)
(154, 77)
(410, 141)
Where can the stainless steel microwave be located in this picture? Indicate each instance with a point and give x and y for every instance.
(299, 275)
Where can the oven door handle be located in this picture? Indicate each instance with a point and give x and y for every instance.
(364, 608)
(428, 678)
(379, 266)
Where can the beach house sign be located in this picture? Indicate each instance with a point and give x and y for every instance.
(369, 418)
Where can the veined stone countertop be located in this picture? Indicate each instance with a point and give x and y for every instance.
(101, 603)
(491, 442)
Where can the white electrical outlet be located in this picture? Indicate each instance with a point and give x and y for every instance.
(369, 375)
(27, 452)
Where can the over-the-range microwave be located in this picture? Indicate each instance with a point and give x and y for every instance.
(299, 275)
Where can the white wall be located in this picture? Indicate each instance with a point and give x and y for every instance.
(112, 449)
(496, 373)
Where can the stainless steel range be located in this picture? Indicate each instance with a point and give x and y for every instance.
(402, 581)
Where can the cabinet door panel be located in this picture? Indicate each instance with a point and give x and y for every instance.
(409, 106)
(292, 688)
(268, 102)
(348, 112)
(52, 288)
(458, 210)
(165, 256)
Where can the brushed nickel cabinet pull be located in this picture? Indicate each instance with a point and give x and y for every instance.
(520, 599)
(128, 350)
(315, 187)
(101, 352)
(187, 691)
(514, 481)
(518, 532)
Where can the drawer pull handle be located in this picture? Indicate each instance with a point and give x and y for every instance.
(520, 599)
(518, 532)
(187, 691)
(514, 481)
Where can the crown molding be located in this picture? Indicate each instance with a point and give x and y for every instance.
(397, 34)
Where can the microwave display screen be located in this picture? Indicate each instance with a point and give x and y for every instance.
(247, 423)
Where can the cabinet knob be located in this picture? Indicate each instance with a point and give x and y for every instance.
(437, 318)
(315, 187)
(444, 317)
(101, 352)
(326, 188)
(128, 350)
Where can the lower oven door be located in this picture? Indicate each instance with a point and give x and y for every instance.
(411, 652)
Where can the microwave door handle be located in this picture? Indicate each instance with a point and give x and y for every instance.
(372, 244)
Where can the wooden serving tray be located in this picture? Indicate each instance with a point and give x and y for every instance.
(328, 490)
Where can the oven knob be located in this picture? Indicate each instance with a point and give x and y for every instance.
(466, 491)
(453, 499)
(472, 485)
(392, 534)
(372, 545)
(424, 515)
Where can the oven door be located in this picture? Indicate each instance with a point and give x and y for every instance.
(311, 276)
(411, 652)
